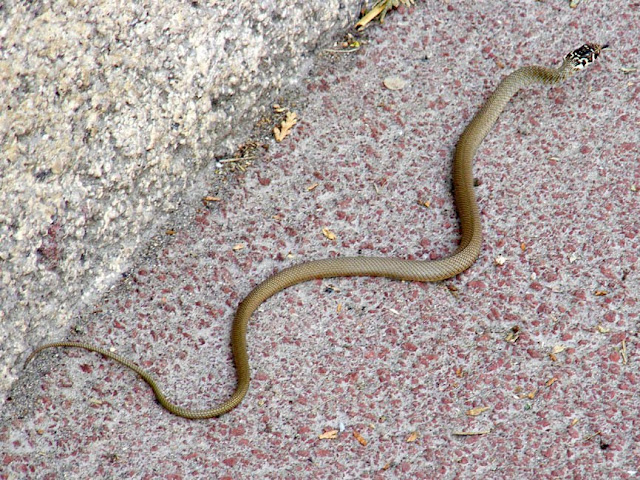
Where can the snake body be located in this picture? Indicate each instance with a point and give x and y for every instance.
(396, 268)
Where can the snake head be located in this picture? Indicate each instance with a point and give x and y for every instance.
(584, 56)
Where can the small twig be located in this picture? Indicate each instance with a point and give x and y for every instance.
(375, 11)
(464, 433)
(345, 50)
(586, 439)
(624, 352)
(229, 160)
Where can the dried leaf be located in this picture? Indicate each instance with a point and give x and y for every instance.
(329, 435)
(394, 83)
(600, 293)
(360, 439)
(474, 412)
(312, 187)
(238, 246)
(551, 381)
(558, 349)
(413, 437)
(513, 335)
(285, 126)
(329, 234)
(499, 260)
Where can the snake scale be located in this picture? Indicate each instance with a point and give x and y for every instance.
(396, 268)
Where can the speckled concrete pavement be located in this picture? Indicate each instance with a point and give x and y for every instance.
(109, 112)
(533, 352)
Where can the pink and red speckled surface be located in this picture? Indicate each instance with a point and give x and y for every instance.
(559, 188)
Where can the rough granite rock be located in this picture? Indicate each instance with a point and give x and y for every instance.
(108, 111)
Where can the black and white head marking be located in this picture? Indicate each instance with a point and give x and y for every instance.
(585, 55)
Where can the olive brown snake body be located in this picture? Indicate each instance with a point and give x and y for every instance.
(396, 268)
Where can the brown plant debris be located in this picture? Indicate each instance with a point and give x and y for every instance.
(328, 435)
(329, 234)
(474, 412)
(360, 438)
(412, 437)
(285, 127)
(466, 433)
(381, 8)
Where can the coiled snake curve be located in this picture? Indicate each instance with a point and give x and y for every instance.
(396, 268)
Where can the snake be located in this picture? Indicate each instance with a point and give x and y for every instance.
(463, 257)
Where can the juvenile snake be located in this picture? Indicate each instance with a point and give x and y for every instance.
(400, 269)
